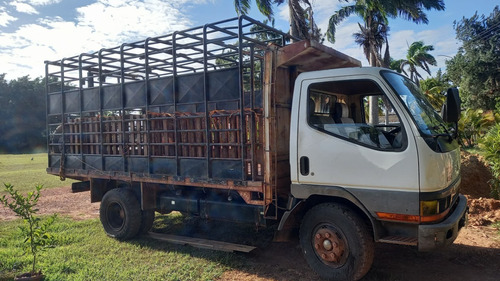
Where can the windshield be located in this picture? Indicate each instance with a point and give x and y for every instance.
(427, 119)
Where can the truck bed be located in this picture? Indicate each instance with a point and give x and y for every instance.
(206, 107)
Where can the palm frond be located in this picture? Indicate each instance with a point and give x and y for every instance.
(242, 6)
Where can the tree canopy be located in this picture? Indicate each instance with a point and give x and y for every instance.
(418, 56)
(476, 66)
(22, 114)
(302, 24)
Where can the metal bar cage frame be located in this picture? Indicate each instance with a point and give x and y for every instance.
(186, 104)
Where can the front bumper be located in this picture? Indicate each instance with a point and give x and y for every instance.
(433, 236)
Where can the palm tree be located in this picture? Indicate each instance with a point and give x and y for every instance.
(375, 15)
(418, 56)
(372, 38)
(377, 12)
(302, 23)
(264, 6)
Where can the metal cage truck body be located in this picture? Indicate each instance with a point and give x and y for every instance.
(230, 121)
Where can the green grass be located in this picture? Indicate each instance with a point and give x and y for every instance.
(24, 173)
(84, 252)
(497, 226)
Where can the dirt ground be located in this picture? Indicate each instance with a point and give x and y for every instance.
(475, 255)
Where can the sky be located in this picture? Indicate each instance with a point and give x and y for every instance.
(33, 31)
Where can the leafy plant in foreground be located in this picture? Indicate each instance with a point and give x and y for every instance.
(490, 146)
(34, 230)
(473, 124)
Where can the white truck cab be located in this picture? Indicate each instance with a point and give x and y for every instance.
(402, 171)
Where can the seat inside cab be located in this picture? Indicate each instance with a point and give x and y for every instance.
(355, 110)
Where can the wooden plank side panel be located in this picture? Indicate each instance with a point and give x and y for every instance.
(269, 124)
(284, 93)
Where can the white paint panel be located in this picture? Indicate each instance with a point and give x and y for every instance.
(335, 161)
(439, 170)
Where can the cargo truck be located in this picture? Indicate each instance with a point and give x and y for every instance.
(238, 121)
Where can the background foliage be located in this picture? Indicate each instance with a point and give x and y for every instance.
(475, 69)
(490, 146)
(22, 115)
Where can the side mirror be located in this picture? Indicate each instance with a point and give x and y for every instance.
(450, 112)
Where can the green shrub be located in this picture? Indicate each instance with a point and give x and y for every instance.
(490, 146)
(36, 236)
(473, 124)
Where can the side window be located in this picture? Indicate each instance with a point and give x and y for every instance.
(356, 111)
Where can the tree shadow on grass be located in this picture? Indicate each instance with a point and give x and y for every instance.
(284, 260)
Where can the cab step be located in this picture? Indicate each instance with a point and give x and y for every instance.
(400, 240)
(202, 243)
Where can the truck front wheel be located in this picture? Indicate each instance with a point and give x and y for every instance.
(120, 214)
(336, 242)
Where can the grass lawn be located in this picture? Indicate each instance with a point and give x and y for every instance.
(24, 171)
(84, 252)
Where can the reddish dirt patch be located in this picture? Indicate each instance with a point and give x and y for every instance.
(475, 176)
(475, 255)
(61, 201)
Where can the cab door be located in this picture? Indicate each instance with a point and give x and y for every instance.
(339, 145)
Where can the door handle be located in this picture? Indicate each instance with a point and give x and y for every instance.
(304, 165)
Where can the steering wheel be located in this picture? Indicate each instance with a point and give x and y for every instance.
(395, 130)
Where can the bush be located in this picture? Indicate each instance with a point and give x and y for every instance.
(490, 146)
(36, 236)
(473, 124)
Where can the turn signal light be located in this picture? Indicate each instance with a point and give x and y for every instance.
(398, 217)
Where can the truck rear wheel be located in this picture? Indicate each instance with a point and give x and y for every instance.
(120, 214)
(336, 242)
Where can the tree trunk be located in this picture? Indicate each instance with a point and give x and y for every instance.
(294, 32)
(373, 100)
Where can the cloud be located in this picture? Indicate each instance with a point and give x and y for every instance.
(102, 24)
(42, 2)
(116, 21)
(5, 18)
(23, 8)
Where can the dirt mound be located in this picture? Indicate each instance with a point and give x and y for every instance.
(483, 211)
(475, 176)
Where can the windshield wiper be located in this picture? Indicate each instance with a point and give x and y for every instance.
(446, 134)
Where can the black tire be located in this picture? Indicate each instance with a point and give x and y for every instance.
(336, 243)
(148, 217)
(120, 214)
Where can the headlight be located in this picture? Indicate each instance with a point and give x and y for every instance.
(429, 208)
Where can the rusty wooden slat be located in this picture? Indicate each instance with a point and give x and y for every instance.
(171, 136)
(191, 137)
(97, 135)
(183, 137)
(223, 137)
(114, 147)
(131, 137)
(233, 135)
(145, 137)
(199, 136)
(91, 136)
(214, 136)
(71, 138)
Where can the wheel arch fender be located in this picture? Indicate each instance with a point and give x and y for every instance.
(306, 197)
